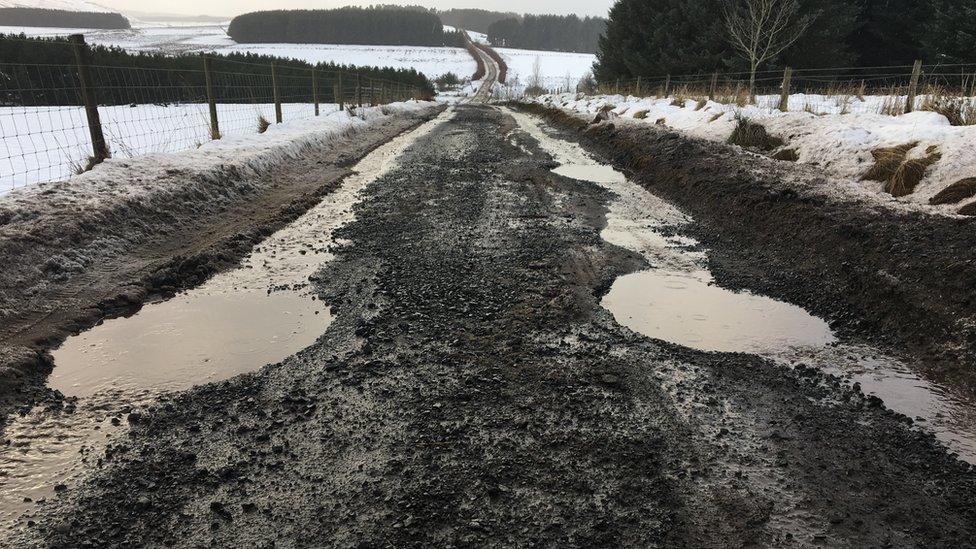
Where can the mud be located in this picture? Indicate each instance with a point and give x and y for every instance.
(147, 252)
(895, 279)
(471, 391)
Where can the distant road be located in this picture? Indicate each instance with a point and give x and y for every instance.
(491, 75)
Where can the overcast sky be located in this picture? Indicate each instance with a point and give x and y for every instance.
(234, 7)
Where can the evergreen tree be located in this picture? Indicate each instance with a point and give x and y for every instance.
(548, 32)
(889, 32)
(951, 32)
(662, 37)
(826, 43)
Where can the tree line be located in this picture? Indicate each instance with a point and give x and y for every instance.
(376, 25)
(548, 32)
(473, 19)
(41, 71)
(693, 36)
(37, 17)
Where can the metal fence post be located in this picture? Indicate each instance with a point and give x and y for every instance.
(341, 99)
(211, 99)
(315, 91)
(784, 93)
(277, 92)
(913, 86)
(83, 61)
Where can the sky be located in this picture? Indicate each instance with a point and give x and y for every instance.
(234, 7)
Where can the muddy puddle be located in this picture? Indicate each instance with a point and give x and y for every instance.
(675, 300)
(239, 321)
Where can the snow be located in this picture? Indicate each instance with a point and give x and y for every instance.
(46, 143)
(554, 66)
(840, 144)
(184, 38)
(65, 5)
(148, 176)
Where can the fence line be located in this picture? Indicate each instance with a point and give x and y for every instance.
(59, 119)
(889, 90)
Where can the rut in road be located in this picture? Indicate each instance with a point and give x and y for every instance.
(473, 392)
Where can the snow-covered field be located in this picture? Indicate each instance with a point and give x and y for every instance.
(556, 68)
(48, 143)
(184, 38)
(839, 143)
(66, 5)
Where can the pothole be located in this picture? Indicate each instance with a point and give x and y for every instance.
(675, 301)
(237, 322)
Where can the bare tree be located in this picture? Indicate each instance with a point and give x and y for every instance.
(762, 29)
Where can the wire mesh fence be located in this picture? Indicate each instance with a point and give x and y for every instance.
(52, 116)
(892, 90)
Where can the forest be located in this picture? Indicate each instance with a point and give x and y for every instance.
(473, 19)
(376, 25)
(41, 71)
(689, 36)
(548, 32)
(36, 17)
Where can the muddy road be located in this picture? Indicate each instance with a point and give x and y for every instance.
(492, 374)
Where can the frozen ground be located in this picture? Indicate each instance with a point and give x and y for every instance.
(839, 143)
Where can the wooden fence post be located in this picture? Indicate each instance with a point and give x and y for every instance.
(211, 99)
(340, 97)
(638, 86)
(616, 90)
(913, 86)
(276, 91)
(713, 86)
(372, 92)
(83, 61)
(667, 86)
(315, 91)
(359, 90)
(784, 93)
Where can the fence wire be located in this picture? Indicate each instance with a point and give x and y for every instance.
(841, 90)
(46, 132)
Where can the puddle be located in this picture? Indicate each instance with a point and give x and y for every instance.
(237, 322)
(684, 309)
(673, 301)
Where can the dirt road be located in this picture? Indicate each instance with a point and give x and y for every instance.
(471, 391)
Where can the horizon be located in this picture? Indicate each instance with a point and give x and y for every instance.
(230, 8)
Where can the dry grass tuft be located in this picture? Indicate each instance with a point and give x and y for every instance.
(715, 117)
(960, 111)
(678, 102)
(908, 175)
(641, 114)
(751, 135)
(786, 155)
(957, 192)
(886, 161)
(968, 209)
(80, 167)
(700, 105)
(263, 124)
(660, 121)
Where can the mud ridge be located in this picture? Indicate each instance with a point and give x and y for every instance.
(897, 279)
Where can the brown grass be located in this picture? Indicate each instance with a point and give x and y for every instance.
(911, 171)
(660, 121)
(886, 161)
(959, 110)
(700, 105)
(968, 209)
(86, 165)
(786, 155)
(263, 124)
(641, 114)
(751, 135)
(957, 192)
(715, 117)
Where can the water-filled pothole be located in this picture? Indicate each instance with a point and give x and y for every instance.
(674, 301)
(237, 322)
(684, 308)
